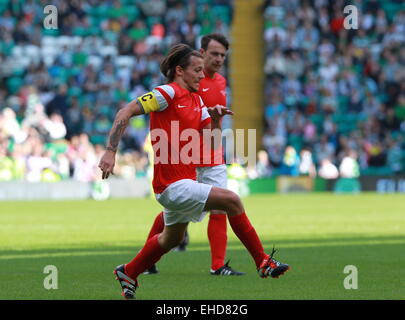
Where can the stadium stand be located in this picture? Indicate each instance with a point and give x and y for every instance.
(333, 90)
(60, 88)
(328, 90)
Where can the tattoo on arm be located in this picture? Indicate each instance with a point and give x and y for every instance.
(116, 133)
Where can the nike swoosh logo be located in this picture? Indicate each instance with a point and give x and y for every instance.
(205, 89)
(179, 106)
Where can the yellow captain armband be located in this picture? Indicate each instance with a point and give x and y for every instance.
(149, 102)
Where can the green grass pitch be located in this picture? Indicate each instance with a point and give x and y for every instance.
(317, 234)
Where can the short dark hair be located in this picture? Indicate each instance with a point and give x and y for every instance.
(179, 55)
(214, 36)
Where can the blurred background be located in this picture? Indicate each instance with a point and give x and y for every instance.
(328, 103)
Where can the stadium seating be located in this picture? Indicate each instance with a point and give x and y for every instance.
(37, 63)
(341, 99)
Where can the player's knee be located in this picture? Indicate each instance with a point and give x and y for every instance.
(233, 203)
(169, 242)
(214, 213)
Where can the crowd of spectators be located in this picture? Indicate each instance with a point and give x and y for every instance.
(333, 95)
(60, 88)
(332, 91)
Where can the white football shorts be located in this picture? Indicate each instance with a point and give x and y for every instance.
(184, 201)
(215, 176)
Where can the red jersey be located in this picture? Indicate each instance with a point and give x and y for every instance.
(213, 92)
(179, 111)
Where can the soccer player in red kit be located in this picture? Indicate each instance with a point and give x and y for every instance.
(174, 182)
(213, 93)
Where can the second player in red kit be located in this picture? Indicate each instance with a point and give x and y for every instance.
(210, 171)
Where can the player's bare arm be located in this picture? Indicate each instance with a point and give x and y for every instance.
(216, 113)
(116, 133)
(121, 121)
(214, 127)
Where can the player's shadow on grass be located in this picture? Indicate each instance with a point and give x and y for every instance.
(317, 271)
(132, 247)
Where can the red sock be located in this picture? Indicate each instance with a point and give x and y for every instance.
(247, 235)
(218, 239)
(157, 226)
(148, 256)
